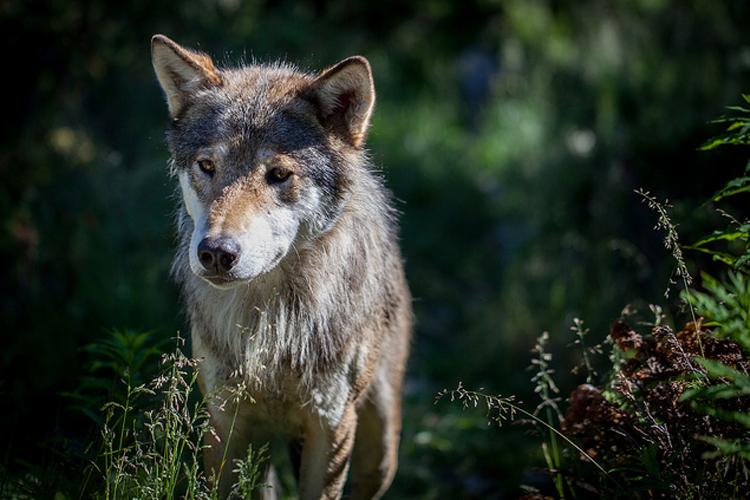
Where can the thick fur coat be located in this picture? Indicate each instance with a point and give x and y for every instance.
(289, 264)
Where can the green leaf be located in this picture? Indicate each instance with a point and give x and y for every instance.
(649, 457)
(726, 448)
(735, 186)
(741, 261)
(729, 234)
(738, 385)
(728, 383)
(738, 109)
(726, 258)
(713, 143)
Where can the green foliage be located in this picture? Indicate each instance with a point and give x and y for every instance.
(671, 415)
(149, 457)
(249, 472)
(514, 133)
(733, 233)
(707, 370)
(725, 307)
(126, 353)
(156, 453)
(123, 358)
(500, 409)
(731, 384)
(737, 133)
(721, 385)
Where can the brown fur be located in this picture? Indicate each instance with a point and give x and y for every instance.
(289, 265)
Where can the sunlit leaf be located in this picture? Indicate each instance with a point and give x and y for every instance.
(735, 186)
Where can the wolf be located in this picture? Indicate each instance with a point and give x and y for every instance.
(289, 266)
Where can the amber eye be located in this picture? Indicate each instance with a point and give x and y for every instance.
(207, 166)
(279, 174)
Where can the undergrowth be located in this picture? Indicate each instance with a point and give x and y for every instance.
(670, 418)
(152, 432)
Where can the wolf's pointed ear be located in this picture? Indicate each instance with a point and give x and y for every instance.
(345, 95)
(181, 72)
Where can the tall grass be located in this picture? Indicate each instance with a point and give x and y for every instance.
(151, 438)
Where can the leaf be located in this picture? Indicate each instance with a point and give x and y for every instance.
(735, 186)
(729, 234)
(713, 143)
(728, 415)
(649, 457)
(741, 261)
(738, 109)
(737, 131)
(725, 448)
(716, 369)
(726, 258)
(738, 385)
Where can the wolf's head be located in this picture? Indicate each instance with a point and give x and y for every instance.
(262, 154)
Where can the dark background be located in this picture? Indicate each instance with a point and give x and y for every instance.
(513, 134)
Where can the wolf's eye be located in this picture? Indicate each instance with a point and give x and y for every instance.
(279, 174)
(206, 166)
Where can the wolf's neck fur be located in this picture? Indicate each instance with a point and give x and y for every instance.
(314, 307)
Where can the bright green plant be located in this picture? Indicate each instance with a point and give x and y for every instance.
(737, 133)
(148, 458)
(725, 304)
(152, 433)
(249, 472)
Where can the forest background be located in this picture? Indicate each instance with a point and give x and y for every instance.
(513, 133)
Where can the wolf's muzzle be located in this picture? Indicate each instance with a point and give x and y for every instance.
(218, 255)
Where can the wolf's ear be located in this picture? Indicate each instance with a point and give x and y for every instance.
(181, 72)
(345, 95)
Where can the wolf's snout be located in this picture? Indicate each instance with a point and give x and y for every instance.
(218, 255)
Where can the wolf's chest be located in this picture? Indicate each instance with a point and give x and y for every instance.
(284, 404)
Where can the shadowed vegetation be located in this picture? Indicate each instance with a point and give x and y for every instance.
(514, 133)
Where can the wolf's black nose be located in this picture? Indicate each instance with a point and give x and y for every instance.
(218, 255)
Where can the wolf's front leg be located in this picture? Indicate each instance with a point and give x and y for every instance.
(325, 456)
(227, 442)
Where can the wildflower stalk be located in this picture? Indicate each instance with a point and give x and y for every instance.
(671, 241)
(547, 389)
(581, 333)
(507, 409)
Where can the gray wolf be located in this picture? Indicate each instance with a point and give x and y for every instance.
(289, 265)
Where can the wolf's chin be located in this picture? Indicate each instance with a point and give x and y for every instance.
(224, 283)
(233, 281)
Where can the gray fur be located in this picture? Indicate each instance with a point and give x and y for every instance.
(319, 331)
